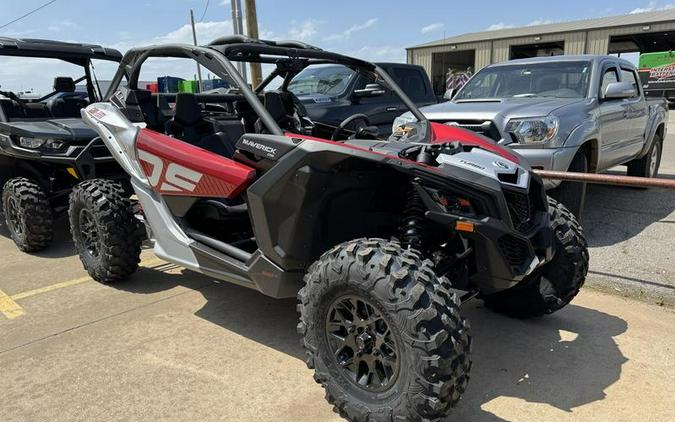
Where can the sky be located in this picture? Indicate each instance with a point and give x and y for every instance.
(376, 30)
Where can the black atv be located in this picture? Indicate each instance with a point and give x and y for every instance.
(45, 148)
(375, 236)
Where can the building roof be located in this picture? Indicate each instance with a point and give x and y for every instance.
(554, 28)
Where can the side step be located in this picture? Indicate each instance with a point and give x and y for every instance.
(227, 249)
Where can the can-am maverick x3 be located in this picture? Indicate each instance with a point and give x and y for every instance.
(373, 236)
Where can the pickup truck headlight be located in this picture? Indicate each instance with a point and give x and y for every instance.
(402, 120)
(533, 130)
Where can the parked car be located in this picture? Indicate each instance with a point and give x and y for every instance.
(45, 148)
(568, 113)
(370, 236)
(333, 92)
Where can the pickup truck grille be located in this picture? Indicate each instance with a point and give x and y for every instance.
(484, 127)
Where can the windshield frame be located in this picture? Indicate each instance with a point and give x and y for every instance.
(510, 65)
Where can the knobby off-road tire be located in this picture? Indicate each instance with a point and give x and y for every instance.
(107, 236)
(648, 166)
(558, 281)
(415, 328)
(28, 214)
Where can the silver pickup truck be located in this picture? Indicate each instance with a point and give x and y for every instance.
(576, 113)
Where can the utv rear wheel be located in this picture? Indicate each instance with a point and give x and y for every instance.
(107, 236)
(28, 214)
(383, 333)
(555, 284)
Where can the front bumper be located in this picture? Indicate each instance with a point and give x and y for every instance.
(509, 244)
(89, 160)
(558, 159)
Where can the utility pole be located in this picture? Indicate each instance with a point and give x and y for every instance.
(194, 39)
(252, 30)
(238, 27)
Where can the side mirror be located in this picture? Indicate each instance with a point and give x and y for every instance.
(449, 94)
(619, 90)
(371, 90)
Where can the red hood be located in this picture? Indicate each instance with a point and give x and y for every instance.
(441, 133)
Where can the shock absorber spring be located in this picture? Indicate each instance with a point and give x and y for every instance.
(413, 222)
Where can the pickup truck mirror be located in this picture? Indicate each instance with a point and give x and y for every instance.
(371, 90)
(619, 90)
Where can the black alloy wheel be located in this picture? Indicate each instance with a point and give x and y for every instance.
(362, 343)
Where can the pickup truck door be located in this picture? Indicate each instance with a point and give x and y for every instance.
(635, 113)
(610, 118)
(381, 110)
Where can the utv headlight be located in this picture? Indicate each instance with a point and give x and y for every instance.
(45, 143)
(452, 204)
(32, 143)
(533, 130)
(402, 120)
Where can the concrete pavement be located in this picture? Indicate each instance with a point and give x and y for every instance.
(631, 234)
(173, 345)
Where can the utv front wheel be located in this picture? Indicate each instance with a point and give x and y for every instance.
(28, 214)
(555, 284)
(106, 234)
(383, 333)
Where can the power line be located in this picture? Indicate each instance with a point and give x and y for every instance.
(205, 9)
(28, 14)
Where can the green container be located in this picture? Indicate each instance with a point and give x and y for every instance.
(188, 86)
(652, 60)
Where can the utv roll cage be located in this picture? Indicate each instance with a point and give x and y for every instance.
(74, 53)
(290, 57)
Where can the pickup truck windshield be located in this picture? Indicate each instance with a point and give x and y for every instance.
(557, 80)
(324, 80)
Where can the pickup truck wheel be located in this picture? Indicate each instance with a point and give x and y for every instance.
(554, 285)
(573, 194)
(648, 166)
(383, 333)
(28, 214)
(106, 233)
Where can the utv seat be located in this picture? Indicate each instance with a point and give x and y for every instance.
(68, 104)
(187, 123)
(282, 108)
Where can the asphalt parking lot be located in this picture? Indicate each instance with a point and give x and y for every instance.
(174, 345)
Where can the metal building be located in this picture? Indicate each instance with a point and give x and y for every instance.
(640, 32)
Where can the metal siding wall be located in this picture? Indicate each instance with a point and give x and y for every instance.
(598, 42)
(578, 42)
(575, 43)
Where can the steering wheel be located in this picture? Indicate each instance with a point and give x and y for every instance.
(347, 121)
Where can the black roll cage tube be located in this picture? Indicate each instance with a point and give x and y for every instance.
(218, 59)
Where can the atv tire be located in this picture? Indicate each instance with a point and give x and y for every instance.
(555, 284)
(28, 214)
(405, 348)
(648, 166)
(106, 233)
